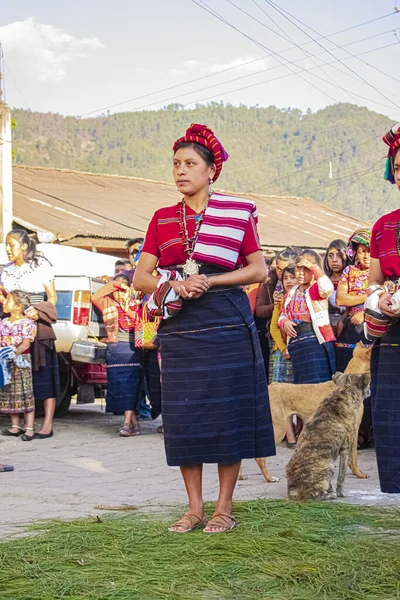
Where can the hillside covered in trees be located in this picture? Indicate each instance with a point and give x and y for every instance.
(335, 155)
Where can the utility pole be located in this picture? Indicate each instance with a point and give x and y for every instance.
(6, 195)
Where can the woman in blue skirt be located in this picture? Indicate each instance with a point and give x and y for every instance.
(385, 359)
(215, 402)
(120, 314)
(305, 321)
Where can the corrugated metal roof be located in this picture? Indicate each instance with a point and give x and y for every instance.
(96, 209)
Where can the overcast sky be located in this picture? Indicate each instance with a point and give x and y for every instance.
(85, 55)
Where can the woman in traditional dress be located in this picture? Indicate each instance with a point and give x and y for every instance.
(214, 392)
(282, 371)
(335, 261)
(385, 361)
(32, 273)
(120, 315)
(352, 293)
(271, 293)
(305, 321)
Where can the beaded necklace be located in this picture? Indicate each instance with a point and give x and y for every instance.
(191, 267)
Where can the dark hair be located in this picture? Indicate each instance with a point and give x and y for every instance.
(201, 150)
(134, 241)
(288, 269)
(24, 238)
(341, 247)
(22, 299)
(122, 261)
(316, 258)
(287, 255)
(127, 276)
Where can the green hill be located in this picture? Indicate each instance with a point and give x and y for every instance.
(272, 151)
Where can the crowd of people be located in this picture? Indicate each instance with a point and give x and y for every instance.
(209, 351)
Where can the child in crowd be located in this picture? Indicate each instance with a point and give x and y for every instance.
(305, 321)
(16, 398)
(281, 364)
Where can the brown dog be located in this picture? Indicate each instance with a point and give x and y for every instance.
(330, 433)
(288, 399)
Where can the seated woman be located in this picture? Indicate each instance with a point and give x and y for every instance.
(120, 313)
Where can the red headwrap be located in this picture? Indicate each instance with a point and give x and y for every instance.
(391, 139)
(201, 134)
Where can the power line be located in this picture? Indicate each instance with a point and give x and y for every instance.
(281, 12)
(313, 166)
(16, 85)
(305, 52)
(205, 7)
(270, 52)
(268, 81)
(226, 70)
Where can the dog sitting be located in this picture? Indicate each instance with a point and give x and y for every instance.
(328, 435)
(303, 399)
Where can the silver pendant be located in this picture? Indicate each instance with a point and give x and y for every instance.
(191, 267)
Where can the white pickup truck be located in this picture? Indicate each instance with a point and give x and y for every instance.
(77, 319)
(76, 279)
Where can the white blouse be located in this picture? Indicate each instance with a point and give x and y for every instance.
(31, 277)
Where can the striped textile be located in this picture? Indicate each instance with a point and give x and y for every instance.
(312, 362)
(346, 342)
(222, 230)
(46, 381)
(385, 394)
(280, 368)
(17, 396)
(123, 377)
(214, 392)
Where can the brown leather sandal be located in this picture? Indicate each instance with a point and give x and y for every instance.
(188, 522)
(223, 522)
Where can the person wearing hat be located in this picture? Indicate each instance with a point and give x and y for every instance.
(214, 392)
(305, 321)
(352, 293)
(385, 359)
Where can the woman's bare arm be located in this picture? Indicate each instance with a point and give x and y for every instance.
(143, 279)
(343, 298)
(51, 293)
(375, 273)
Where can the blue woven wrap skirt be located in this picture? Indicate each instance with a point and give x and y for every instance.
(312, 362)
(215, 403)
(46, 381)
(123, 377)
(385, 401)
(345, 344)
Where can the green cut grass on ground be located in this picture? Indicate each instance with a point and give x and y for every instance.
(279, 551)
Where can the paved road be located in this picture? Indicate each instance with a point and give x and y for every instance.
(86, 464)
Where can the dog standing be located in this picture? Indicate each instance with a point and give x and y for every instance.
(328, 435)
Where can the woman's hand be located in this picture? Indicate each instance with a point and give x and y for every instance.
(290, 329)
(385, 305)
(286, 354)
(357, 318)
(193, 287)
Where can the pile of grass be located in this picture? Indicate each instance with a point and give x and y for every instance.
(279, 551)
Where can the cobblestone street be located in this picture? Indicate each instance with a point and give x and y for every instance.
(86, 465)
